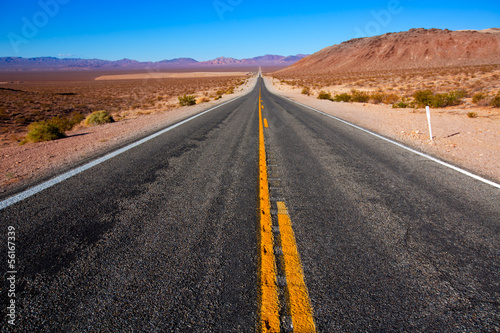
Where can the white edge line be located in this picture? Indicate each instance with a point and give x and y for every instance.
(43, 186)
(465, 172)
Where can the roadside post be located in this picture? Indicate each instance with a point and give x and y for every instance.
(428, 112)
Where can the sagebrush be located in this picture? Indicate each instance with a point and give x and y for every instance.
(98, 118)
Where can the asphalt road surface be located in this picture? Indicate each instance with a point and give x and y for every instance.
(163, 237)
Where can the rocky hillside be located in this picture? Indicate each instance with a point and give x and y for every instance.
(413, 49)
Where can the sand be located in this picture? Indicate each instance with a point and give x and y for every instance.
(155, 75)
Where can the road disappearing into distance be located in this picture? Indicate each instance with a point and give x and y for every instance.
(259, 215)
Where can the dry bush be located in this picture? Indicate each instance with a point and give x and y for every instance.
(98, 118)
(360, 96)
(187, 100)
(324, 95)
(344, 97)
(478, 97)
(43, 131)
(22, 103)
(495, 102)
(391, 98)
(202, 99)
(377, 97)
(405, 82)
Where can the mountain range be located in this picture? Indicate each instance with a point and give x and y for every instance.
(53, 63)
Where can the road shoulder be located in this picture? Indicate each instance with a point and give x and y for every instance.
(472, 144)
(29, 164)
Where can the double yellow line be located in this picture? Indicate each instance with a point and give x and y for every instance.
(269, 309)
(297, 296)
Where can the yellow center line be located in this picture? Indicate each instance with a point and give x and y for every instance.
(300, 307)
(269, 308)
(265, 123)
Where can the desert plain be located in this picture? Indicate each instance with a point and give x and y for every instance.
(466, 134)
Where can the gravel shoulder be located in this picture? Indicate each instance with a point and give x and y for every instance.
(26, 165)
(471, 143)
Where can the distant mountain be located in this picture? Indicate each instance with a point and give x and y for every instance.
(222, 61)
(266, 60)
(416, 48)
(52, 63)
(183, 61)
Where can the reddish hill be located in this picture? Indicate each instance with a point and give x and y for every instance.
(416, 48)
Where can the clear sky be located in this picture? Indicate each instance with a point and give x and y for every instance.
(150, 30)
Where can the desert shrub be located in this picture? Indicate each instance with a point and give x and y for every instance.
(455, 97)
(478, 97)
(43, 131)
(423, 98)
(324, 95)
(62, 123)
(187, 100)
(377, 97)
(76, 118)
(67, 124)
(447, 99)
(391, 99)
(98, 118)
(360, 96)
(230, 90)
(306, 91)
(495, 102)
(472, 114)
(344, 97)
(438, 101)
(403, 104)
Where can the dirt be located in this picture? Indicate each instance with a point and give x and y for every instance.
(416, 48)
(26, 164)
(25, 102)
(145, 76)
(471, 143)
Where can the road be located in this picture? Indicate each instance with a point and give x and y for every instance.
(165, 236)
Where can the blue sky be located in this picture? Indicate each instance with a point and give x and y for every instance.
(150, 30)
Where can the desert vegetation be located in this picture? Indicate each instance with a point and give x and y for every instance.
(98, 118)
(63, 104)
(187, 100)
(415, 88)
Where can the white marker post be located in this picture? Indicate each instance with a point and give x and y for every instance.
(428, 112)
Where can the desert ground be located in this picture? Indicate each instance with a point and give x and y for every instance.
(472, 143)
(30, 100)
(154, 75)
(145, 105)
(397, 85)
(138, 106)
